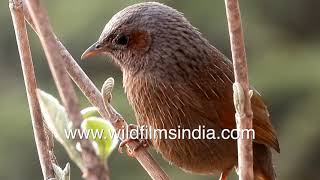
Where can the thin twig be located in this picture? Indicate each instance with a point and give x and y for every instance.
(241, 89)
(95, 170)
(40, 135)
(94, 96)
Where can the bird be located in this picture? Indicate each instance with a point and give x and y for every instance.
(174, 78)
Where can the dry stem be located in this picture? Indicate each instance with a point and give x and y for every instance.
(95, 170)
(241, 89)
(40, 135)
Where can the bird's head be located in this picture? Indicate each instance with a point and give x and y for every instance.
(145, 35)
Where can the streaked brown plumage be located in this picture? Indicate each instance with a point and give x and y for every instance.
(174, 77)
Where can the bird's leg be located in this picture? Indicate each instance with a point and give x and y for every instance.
(143, 143)
(224, 174)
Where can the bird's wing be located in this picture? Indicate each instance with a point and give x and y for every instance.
(217, 95)
(265, 133)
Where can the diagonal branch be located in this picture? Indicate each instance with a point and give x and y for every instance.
(40, 135)
(241, 89)
(95, 98)
(95, 170)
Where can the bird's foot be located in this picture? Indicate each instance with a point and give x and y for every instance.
(142, 143)
(224, 174)
(131, 152)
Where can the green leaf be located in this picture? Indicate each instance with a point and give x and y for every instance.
(59, 124)
(89, 111)
(61, 174)
(102, 134)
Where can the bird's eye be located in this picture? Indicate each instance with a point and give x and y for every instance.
(122, 40)
(98, 46)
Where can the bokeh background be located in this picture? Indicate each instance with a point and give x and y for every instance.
(283, 50)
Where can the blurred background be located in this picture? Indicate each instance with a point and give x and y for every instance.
(283, 50)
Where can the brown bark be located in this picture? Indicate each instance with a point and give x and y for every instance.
(40, 135)
(94, 169)
(241, 89)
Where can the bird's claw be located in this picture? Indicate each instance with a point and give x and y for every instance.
(142, 143)
(131, 152)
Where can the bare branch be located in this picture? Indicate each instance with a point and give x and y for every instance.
(241, 89)
(40, 135)
(95, 170)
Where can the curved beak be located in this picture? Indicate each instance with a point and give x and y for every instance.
(91, 51)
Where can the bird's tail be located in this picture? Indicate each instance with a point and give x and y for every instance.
(262, 163)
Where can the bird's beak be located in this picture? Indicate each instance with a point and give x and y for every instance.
(91, 51)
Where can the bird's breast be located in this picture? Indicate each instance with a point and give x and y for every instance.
(164, 105)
